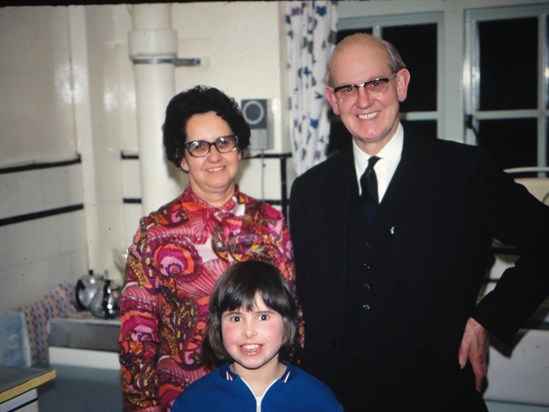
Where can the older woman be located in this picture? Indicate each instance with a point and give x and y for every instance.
(180, 251)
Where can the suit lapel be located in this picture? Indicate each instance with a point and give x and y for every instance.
(402, 202)
(402, 192)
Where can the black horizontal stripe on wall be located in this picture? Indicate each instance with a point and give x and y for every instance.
(39, 215)
(40, 165)
(129, 156)
(269, 156)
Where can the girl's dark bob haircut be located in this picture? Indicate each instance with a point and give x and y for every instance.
(199, 100)
(236, 289)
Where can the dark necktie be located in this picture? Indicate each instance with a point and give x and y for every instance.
(368, 183)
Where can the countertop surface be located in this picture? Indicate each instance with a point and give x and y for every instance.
(14, 380)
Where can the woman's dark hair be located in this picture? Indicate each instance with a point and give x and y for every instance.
(237, 288)
(198, 100)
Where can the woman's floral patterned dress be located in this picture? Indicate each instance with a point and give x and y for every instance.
(176, 257)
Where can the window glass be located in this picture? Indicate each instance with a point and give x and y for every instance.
(508, 64)
(424, 127)
(512, 142)
(417, 44)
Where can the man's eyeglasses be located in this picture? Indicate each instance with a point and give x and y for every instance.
(374, 88)
(201, 148)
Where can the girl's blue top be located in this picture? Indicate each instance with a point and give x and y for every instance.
(224, 390)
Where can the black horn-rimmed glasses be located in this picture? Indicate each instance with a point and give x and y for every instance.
(223, 144)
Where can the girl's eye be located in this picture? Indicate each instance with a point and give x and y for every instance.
(235, 318)
(264, 317)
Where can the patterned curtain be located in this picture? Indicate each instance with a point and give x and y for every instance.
(311, 32)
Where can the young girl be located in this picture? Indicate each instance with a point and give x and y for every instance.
(252, 334)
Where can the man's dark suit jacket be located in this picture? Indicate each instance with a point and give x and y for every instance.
(433, 245)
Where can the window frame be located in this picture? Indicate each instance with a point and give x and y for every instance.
(471, 73)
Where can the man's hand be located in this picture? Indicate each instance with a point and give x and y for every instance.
(474, 347)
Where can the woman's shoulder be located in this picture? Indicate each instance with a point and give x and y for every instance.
(255, 205)
(164, 213)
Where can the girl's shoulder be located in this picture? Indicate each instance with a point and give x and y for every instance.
(317, 391)
(199, 394)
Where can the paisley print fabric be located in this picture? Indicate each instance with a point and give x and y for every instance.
(177, 255)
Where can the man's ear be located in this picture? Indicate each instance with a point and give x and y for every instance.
(332, 99)
(402, 81)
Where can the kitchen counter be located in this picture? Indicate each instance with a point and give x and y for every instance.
(84, 341)
(85, 332)
(82, 389)
(18, 387)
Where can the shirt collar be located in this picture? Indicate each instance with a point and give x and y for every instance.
(230, 376)
(391, 152)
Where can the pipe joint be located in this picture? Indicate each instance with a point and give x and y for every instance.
(157, 46)
(153, 43)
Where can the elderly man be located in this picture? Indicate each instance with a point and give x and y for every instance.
(392, 239)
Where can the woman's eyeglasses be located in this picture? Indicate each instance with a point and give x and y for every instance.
(374, 88)
(201, 148)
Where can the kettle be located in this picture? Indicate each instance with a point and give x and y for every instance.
(106, 301)
(99, 295)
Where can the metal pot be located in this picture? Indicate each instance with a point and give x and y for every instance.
(99, 295)
(86, 288)
(106, 302)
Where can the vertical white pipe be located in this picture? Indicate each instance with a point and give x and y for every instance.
(153, 49)
(84, 131)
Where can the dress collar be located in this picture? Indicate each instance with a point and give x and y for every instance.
(190, 195)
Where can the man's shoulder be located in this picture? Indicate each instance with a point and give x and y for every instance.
(413, 137)
(441, 150)
(333, 164)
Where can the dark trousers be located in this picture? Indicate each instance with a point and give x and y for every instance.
(367, 387)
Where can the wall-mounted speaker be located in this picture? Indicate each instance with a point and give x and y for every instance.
(257, 112)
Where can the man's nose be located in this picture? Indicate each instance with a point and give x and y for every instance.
(363, 98)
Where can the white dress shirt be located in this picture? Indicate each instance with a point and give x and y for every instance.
(389, 157)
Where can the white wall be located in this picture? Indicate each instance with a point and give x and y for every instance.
(68, 89)
(35, 78)
(37, 126)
